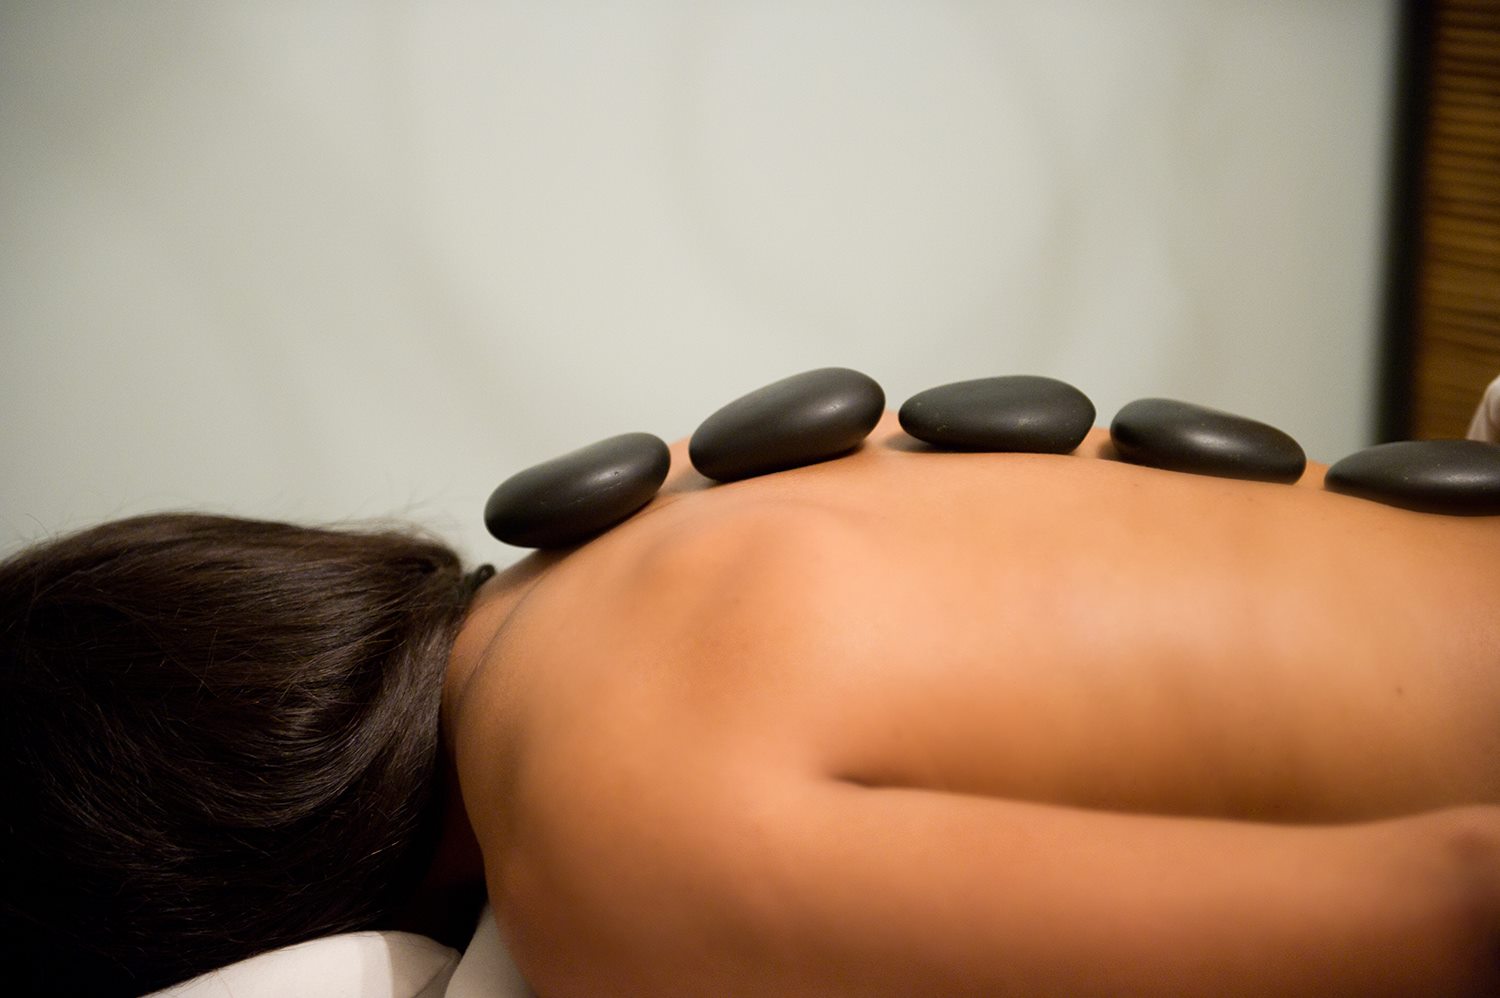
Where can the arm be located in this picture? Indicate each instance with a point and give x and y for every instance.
(998, 897)
(828, 889)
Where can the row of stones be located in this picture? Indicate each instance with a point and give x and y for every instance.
(822, 414)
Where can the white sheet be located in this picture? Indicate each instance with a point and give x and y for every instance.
(486, 970)
(352, 965)
(369, 965)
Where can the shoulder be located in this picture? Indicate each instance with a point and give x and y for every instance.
(619, 722)
(704, 569)
(677, 618)
(627, 752)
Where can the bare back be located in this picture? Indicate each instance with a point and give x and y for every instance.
(1064, 630)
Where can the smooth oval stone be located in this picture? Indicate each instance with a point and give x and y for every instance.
(573, 497)
(1014, 413)
(1458, 477)
(803, 419)
(1181, 436)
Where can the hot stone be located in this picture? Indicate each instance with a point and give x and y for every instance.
(1458, 477)
(1012, 413)
(808, 417)
(1181, 436)
(573, 497)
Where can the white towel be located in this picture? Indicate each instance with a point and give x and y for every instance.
(352, 965)
(369, 965)
(486, 970)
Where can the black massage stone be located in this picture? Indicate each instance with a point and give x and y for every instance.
(1458, 477)
(573, 497)
(803, 419)
(1180, 436)
(1016, 413)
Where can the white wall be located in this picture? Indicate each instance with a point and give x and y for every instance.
(332, 260)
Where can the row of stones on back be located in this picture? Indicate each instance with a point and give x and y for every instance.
(825, 413)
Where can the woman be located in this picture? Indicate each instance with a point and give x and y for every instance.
(901, 723)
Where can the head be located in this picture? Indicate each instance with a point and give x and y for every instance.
(217, 736)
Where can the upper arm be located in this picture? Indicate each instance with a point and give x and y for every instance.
(922, 891)
(825, 888)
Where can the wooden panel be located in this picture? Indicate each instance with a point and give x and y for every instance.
(1457, 305)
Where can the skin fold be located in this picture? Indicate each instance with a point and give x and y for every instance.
(911, 722)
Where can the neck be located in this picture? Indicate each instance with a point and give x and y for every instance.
(491, 608)
(446, 905)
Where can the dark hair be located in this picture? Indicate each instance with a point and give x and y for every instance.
(219, 736)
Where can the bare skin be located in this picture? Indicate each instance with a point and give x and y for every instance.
(909, 722)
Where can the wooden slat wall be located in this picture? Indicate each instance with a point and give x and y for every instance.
(1457, 302)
